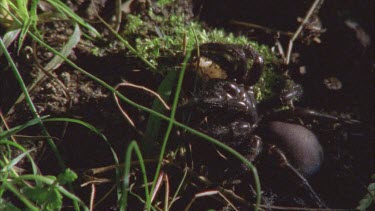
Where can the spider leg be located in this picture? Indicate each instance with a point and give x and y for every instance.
(284, 162)
(323, 116)
(255, 148)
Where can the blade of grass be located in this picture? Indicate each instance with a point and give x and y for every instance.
(34, 15)
(30, 205)
(9, 38)
(22, 8)
(74, 39)
(62, 7)
(7, 133)
(174, 198)
(171, 120)
(33, 165)
(88, 126)
(128, 46)
(151, 134)
(95, 130)
(29, 18)
(118, 14)
(133, 146)
(14, 162)
(5, 20)
(24, 29)
(3, 13)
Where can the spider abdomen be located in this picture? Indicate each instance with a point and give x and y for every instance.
(300, 144)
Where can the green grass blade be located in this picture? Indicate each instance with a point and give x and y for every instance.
(95, 130)
(34, 15)
(30, 205)
(10, 143)
(133, 146)
(67, 49)
(22, 9)
(7, 133)
(174, 198)
(15, 161)
(62, 7)
(171, 120)
(33, 165)
(151, 134)
(128, 46)
(24, 29)
(10, 37)
(88, 126)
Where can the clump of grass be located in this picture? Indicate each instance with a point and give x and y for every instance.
(23, 16)
(35, 191)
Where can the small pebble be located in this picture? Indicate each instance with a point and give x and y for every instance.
(332, 83)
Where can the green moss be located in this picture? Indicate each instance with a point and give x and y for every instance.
(163, 37)
(267, 85)
(134, 26)
(164, 2)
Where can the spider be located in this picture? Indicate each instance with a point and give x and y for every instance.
(227, 104)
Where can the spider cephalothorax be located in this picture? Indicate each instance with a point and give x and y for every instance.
(242, 64)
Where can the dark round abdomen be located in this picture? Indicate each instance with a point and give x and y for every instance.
(300, 145)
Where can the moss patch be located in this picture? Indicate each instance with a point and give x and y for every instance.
(158, 37)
